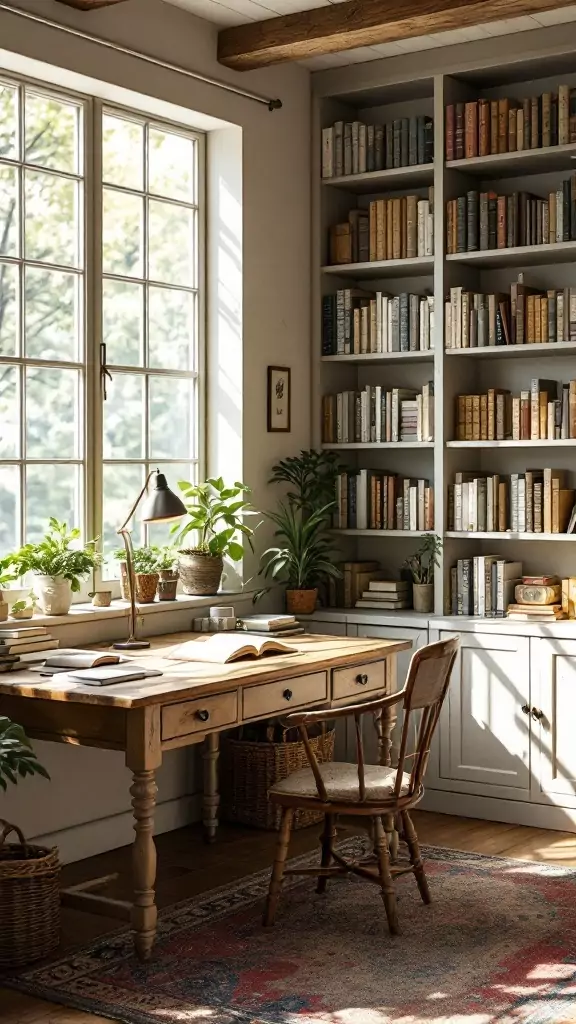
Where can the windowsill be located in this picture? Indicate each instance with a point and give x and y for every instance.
(80, 613)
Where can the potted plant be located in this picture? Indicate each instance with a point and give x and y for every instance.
(25, 608)
(303, 558)
(167, 566)
(216, 515)
(29, 875)
(422, 566)
(311, 475)
(145, 573)
(59, 562)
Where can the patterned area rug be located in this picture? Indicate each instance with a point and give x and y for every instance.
(497, 946)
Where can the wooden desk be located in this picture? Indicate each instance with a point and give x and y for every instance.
(190, 703)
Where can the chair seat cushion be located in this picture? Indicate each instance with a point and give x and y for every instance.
(341, 781)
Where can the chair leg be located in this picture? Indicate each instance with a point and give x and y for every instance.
(278, 868)
(327, 838)
(386, 880)
(415, 858)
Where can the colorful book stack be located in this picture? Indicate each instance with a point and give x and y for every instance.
(355, 321)
(505, 125)
(527, 316)
(537, 501)
(378, 500)
(545, 411)
(387, 596)
(391, 229)
(486, 220)
(20, 645)
(353, 147)
(343, 592)
(537, 598)
(376, 415)
(483, 585)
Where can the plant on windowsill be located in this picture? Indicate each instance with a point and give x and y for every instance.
(422, 565)
(25, 608)
(59, 561)
(145, 573)
(167, 566)
(8, 575)
(216, 516)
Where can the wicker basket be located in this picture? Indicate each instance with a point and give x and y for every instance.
(29, 900)
(200, 572)
(249, 770)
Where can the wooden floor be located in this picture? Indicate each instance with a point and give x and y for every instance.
(187, 867)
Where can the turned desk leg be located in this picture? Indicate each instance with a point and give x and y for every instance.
(143, 757)
(387, 724)
(211, 799)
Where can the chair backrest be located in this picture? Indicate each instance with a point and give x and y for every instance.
(425, 689)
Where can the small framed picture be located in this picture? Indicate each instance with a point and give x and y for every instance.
(279, 398)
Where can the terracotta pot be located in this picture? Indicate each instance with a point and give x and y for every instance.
(54, 594)
(167, 585)
(423, 597)
(200, 573)
(146, 586)
(301, 602)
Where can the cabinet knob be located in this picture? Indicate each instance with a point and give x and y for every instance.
(361, 679)
(203, 715)
(287, 694)
(537, 714)
(525, 709)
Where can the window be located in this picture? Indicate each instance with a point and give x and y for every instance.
(99, 270)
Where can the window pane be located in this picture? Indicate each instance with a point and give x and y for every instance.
(51, 133)
(124, 417)
(9, 412)
(123, 322)
(122, 234)
(171, 244)
(8, 309)
(171, 165)
(122, 152)
(9, 245)
(171, 418)
(171, 329)
(52, 314)
(8, 122)
(62, 485)
(122, 484)
(52, 421)
(9, 508)
(51, 219)
(159, 533)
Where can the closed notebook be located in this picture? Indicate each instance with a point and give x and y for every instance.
(110, 675)
(225, 647)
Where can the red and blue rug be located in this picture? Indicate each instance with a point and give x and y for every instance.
(497, 946)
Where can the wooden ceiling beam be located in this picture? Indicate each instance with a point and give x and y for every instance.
(89, 5)
(354, 23)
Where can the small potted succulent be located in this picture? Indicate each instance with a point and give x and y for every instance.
(303, 559)
(167, 566)
(59, 561)
(216, 516)
(422, 565)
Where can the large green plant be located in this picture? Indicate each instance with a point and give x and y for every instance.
(304, 556)
(311, 476)
(59, 553)
(17, 759)
(216, 515)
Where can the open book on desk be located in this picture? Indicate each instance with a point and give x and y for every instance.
(222, 648)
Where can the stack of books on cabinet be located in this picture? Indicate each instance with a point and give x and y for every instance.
(376, 500)
(375, 415)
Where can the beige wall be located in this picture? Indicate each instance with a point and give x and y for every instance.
(91, 786)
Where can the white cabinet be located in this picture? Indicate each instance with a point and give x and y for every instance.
(553, 712)
(484, 731)
(328, 628)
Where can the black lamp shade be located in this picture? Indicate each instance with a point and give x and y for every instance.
(161, 503)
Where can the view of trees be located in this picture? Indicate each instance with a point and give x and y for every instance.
(149, 313)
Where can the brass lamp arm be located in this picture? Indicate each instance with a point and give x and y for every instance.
(137, 502)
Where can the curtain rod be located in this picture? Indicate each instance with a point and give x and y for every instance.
(79, 34)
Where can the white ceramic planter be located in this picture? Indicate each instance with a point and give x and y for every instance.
(54, 594)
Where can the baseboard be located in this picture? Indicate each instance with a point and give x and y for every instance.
(513, 812)
(94, 837)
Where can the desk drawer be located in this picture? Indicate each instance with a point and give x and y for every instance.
(354, 683)
(285, 696)
(201, 715)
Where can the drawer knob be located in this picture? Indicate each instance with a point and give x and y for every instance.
(361, 679)
(203, 715)
(287, 694)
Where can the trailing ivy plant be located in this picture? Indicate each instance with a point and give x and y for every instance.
(17, 758)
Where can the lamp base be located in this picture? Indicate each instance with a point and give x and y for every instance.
(131, 645)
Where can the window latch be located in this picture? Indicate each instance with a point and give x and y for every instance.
(104, 371)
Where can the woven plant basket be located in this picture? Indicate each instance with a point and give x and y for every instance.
(146, 586)
(199, 572)
(29, 900)
(249, 770)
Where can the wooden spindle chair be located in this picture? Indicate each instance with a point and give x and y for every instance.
(365, 790)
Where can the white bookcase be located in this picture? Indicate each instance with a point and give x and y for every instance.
(402, 87)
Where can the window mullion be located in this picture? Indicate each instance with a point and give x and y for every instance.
(94, 335)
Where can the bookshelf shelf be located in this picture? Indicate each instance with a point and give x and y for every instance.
(512, 165)
(553, 349)
(564, 443)
(381, 533)
(508, 535)
(367, 358)
(377, 181)
(518, 256)
(421, 266)
(375, 445)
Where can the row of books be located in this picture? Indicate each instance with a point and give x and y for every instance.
(481, 221)
(355, 321)
(505, 125)
(546, 411)
(536, 501)
(353, 147)
(390, 229)
(483, 585)
(527, 316)
(379, 500)
(375, 415)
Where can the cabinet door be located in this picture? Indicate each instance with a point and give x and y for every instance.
(553, 721)
(484, 734)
